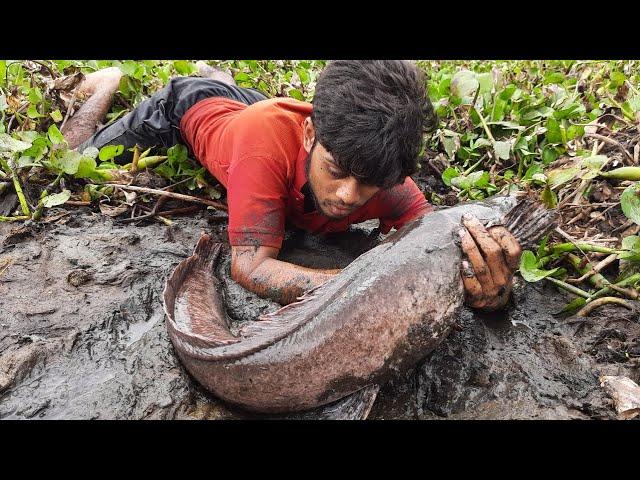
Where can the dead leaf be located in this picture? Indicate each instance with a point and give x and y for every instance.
(68, 82)
(113, 211)
(130, 197)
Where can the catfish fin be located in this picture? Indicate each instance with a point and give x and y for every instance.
(352, 407)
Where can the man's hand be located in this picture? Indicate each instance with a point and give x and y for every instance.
(492, 257)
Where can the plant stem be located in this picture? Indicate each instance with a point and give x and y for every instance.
(177, 196)
(14, 219)
(38, 211)
(569, 288)
(626, 282)
(471, 168)
(16, 185)
(589, 307)
(485, 126)
(597, 279)
(584, 247)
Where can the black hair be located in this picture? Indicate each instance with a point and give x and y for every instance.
(370, 115)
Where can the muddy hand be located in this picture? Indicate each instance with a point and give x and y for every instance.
(492, 256)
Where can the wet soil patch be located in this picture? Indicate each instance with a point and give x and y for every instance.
(82, 333)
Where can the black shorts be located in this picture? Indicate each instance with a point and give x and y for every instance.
(156, 121)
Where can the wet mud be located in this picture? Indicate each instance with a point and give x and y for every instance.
(82, 333)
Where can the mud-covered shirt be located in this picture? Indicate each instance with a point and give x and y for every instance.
(256, 152)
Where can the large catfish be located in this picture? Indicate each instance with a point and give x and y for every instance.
(380, 316)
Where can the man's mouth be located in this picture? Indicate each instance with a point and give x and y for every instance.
(340, 211)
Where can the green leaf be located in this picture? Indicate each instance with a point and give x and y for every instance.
(508, 92)
(3, 102)
(448, 174)
(485, 81)
(35, 95)
(502, 149)
(165, 170)
(498, 110)
(56, 116)
(110, 151)
(481, 142)
(575, 131)
(241, 77)
(549, 154)
(631, 242)
(560, 176)
(10, 144)
(184, 67)
(553, 135)
(464, 85)
(461, 182)
(32, 112)
(533, 169)
(594, 162)
(553, 77)
(543, 245)
(297, 94)
(450, 145)
(630, 203)
(91, 152)
(617, 78)
(129, 67)
(479, 179)
(549, 197)
(55, 136)
(529, 268)
(39, 145)
(177, 154)
(69, 162)
(304, 75)
(56, 199)
(3, 71)
(539, 177)
(87, 169)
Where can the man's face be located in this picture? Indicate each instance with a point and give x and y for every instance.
(336, 194)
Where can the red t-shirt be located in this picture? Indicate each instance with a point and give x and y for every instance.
(256, 152)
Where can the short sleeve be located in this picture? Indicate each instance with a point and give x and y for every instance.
(401, 204)
(257, 197)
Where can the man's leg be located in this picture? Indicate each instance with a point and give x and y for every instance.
(155, 122)
(207, 71)
(101, 86)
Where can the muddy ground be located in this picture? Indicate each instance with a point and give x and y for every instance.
(82, 333)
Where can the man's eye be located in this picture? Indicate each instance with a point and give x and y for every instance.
(336, 173)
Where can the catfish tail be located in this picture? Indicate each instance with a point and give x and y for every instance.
(529, 221)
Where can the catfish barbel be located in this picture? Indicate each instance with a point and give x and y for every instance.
(378, 317)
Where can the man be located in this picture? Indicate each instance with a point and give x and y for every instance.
(344, 159)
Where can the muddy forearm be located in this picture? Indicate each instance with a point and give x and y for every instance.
(283, 282)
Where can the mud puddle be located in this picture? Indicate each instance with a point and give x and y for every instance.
(82, 333)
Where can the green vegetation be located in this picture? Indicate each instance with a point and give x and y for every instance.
(565, 131)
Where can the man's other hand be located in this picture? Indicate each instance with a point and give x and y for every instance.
(492, 257)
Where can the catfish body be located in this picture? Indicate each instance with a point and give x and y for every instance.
(380, 316)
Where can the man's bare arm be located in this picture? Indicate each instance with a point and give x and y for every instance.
(258, 270)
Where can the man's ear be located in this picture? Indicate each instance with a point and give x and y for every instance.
(308, 134)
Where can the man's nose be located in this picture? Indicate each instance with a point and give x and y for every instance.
(349, 191)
